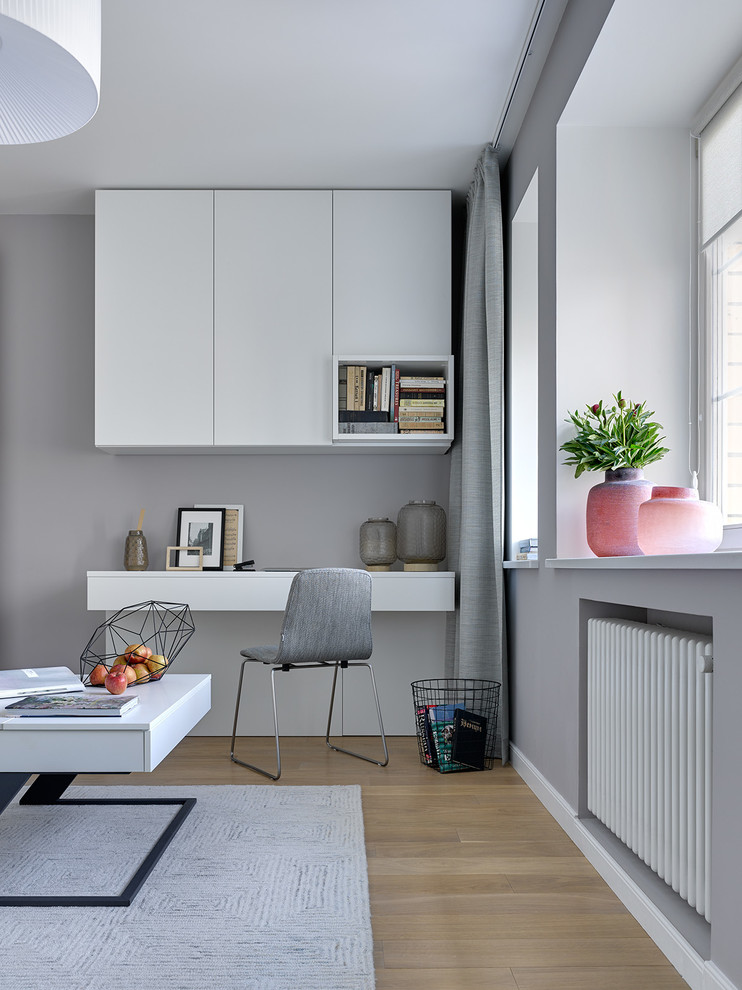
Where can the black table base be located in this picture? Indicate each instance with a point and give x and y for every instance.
(47, 789)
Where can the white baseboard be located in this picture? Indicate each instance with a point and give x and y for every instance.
(697, 972)
(714, 979)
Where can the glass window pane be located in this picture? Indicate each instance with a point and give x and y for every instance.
(724, 267)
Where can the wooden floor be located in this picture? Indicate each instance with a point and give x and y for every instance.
(473, 885)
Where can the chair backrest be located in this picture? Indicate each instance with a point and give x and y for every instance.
(327, 617)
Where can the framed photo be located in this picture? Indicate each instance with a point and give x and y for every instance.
(234, 530)
(201, 529)
(170, 557)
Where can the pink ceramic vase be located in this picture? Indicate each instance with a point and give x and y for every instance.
(675, 520)
(613, 511)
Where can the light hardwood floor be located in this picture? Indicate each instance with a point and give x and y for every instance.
(473, 885)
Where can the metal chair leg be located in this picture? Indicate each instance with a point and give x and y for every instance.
(232, 757)
(339, 749)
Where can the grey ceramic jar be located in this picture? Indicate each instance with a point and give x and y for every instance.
(421, 535)
(378, 544)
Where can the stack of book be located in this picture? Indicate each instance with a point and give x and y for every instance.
(382, 400)
(528, 549)
(365, 397)
(422, 404)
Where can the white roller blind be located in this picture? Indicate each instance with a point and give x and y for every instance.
(721, 168)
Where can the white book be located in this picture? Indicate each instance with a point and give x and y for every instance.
(38, 680)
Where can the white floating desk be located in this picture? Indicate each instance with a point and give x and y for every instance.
(259, 591)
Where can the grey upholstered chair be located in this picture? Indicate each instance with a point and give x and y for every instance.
(327, 623)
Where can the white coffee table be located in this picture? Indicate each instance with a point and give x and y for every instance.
(59, 748)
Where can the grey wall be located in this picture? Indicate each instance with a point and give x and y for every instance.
(547, 681)
(66, 507)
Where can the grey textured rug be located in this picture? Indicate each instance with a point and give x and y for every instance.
(263, 888)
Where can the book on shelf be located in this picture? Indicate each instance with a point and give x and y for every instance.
(394, 401)
(370, 400)
(421, 433)
(408, 425)
(360, 396)
(422, 393)
(362, 416)
(362, 427)
(530, 555)
(386, 382)
(46, 706)
(350, 376)
(343, 386)
(405, 403)
(469, 739)
(422, 381)
(415, 417)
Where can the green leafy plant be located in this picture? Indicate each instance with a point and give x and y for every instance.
(612, 437)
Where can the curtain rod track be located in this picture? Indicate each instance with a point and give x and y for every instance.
(525, 52)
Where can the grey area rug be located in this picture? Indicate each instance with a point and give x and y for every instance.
(263, 888)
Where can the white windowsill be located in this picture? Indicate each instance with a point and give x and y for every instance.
(721, 560)
(511, 565)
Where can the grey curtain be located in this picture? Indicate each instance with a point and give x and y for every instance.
(476, 640)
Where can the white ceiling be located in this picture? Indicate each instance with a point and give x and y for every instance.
(281, 94)
(656, 62)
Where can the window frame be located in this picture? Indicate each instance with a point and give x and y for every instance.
(709, 355)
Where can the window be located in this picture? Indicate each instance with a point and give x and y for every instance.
(720, 226)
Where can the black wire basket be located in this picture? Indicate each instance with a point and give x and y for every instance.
(456, 722)
(149, 636)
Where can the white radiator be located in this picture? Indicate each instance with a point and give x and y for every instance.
(649, 747)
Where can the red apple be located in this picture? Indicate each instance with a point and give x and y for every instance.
(126, 670)
(98, 675)
(157, 664)
(137, 652)
(116, 683)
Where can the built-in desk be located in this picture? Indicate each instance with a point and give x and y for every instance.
(233, 610)
(259, 591)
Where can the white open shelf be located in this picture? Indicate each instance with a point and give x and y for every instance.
(410, 364)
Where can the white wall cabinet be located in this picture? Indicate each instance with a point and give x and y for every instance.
(153, 318)
(392, 271)
(218, 312)
(272, 317)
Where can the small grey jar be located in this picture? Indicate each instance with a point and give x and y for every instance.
(378, 544)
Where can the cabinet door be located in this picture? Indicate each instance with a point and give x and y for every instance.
(153, 318)
(272, 317)
(392, 272)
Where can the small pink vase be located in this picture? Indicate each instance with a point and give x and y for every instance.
(613, 510)
(675, 520)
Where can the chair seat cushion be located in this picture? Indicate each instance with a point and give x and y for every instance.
(263, 654)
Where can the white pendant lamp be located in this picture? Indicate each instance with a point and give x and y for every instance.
(49, 68)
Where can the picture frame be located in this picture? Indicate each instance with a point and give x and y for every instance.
(234, 532)
(169, 558)
(201, 528)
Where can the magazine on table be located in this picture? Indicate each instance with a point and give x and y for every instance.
(47, 706)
